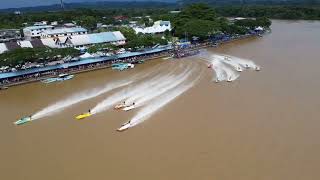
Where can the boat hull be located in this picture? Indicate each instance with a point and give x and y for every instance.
(124, 127)
(23, 121)
(128, 108)
(83, 116)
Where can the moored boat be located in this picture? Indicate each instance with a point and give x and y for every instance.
(61, 77)
(4, 88)
(64, 77)
(49, 80)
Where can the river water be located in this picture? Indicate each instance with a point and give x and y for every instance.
(265, 125)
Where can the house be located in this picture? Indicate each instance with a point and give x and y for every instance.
(32, 32)
(60, 32)
(42, 23)
(69, 25)
(3, 48)
(120, 18)
(158, 27)
(10, 35)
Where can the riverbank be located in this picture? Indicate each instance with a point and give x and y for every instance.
(82, 69)
(38, 76)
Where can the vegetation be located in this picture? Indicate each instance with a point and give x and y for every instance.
(275, 12)
(84, 17)
(202, 21)
(251, 2)
(39, 55)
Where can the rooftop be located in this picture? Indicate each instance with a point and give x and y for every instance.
(65, 30)
(38, 27)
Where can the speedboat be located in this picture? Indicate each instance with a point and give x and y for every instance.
(128, 108)
(120, 106)
(124, 126)
(247, 66)
(217, 80)
(64, 77)
(257, 68)
(84, 115)
(239, 69)
(23, 120)
(229, 79)
(4, 88)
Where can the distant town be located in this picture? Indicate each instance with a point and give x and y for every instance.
(49, 39)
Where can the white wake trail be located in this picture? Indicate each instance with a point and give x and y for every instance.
(161, 101)
(231, 74)
(61, 105)
(159, 90)
(125, 93)
(224, 59)
(244, 62)
(221, 74)
(85, 95)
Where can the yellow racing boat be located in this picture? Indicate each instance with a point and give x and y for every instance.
(84, 115)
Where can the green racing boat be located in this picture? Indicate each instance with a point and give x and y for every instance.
(23, 120)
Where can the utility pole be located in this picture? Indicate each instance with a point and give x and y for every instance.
(62, 5)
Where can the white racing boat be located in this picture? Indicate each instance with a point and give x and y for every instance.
(120, 106)
(257, 68)
(128, 108)
(124, 126)
(239, 69)
(229, 79)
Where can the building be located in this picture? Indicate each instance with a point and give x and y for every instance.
(60, 32)
(3, 48)
(158, 27)
(74, 41)
(32, 32)
(17, 12)
(175, 12)
(42, 23)
(54, 23)
(79, 41)
(10, 35)
(69, 25)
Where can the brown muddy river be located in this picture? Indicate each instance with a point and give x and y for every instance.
(264, 125)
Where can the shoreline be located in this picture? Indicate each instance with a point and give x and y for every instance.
(71, 71)
(98, 66)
